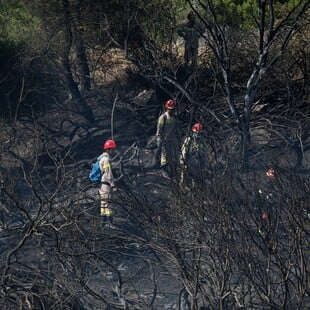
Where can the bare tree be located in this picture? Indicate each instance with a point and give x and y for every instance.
(273, 36)
(71, 26)
(207, 248)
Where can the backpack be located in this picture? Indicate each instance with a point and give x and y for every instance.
(96, 173)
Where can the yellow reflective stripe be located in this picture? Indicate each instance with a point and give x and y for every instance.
(105, 166)
(106, 211)
(163, 161)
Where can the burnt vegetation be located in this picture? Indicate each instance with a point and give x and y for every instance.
(91, 70)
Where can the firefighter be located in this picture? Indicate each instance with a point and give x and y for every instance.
(267, 194)
(267, 207)
(193, 159)
(191, 32)
(166, 137)
(107, 181)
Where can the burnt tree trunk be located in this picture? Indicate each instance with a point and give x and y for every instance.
(78, 100)
(81, 51)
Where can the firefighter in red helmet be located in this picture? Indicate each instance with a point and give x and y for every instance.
(107, 180)
(267, 205)
(167, 142)
(266, 192)
(193, 160)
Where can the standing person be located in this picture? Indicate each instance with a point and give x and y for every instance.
(193, 158)
(268, 208)
(107, 181)
(167, 142)
(266, 193)
(191, 32)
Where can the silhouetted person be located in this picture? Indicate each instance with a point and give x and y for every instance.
(191, 32)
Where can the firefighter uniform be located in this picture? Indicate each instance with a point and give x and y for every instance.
(193, 161)
(167, 139)
(107, 183)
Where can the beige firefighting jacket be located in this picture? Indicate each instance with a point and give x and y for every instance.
(105, 167)
(166, 127)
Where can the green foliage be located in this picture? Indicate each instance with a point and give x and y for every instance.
(132, 20)
(162, 17)
(242, 13)
(16, 21)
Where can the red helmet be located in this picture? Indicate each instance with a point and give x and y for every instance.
(264, 216)
(109, 144)
(270, 173)
(197, 127)
(170, 104)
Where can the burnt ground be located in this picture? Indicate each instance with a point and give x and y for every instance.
(52, 237)
(143, 276)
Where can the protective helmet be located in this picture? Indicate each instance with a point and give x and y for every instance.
(270, 173)
(197, 127)
(109, 144)
(264, 216)
(170, 104)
